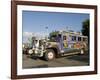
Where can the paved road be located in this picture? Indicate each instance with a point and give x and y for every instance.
(73, 60)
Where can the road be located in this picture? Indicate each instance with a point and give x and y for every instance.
(73, 60)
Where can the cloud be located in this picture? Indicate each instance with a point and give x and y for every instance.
(28, 35)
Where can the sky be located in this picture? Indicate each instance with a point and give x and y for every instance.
(37, 21)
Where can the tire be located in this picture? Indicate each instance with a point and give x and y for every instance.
(49, 55)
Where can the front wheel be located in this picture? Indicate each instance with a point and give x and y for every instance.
(49, 55)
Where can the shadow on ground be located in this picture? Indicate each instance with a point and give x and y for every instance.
(38, 66)
(82, 58)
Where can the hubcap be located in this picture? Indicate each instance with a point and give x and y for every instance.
(50, 55)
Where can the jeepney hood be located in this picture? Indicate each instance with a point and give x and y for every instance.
(53, 43)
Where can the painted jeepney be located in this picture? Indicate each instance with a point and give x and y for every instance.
(64, 43)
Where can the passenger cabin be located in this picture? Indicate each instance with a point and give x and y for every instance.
(71, 40)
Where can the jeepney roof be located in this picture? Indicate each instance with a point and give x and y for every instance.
(73, 34)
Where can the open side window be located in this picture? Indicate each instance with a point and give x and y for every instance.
(73, 38)
(79, 38)
(64, 38)
(84, 39)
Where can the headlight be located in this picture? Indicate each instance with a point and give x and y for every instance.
(30, 51)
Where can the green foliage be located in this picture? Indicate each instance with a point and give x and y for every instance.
(54, 33)
(85, 27)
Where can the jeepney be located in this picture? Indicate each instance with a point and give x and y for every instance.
(65, 43)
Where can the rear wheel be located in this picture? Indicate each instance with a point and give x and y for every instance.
(49, 55)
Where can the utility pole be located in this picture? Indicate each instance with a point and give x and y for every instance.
(47, 32)
(67, 28)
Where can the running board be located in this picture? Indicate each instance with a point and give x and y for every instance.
(66, 54)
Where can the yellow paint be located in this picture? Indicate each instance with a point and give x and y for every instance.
(65, 45)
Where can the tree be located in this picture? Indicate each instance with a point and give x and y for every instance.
(85, 27)
(53, 34)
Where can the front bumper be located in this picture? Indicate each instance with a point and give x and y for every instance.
(34, 52)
